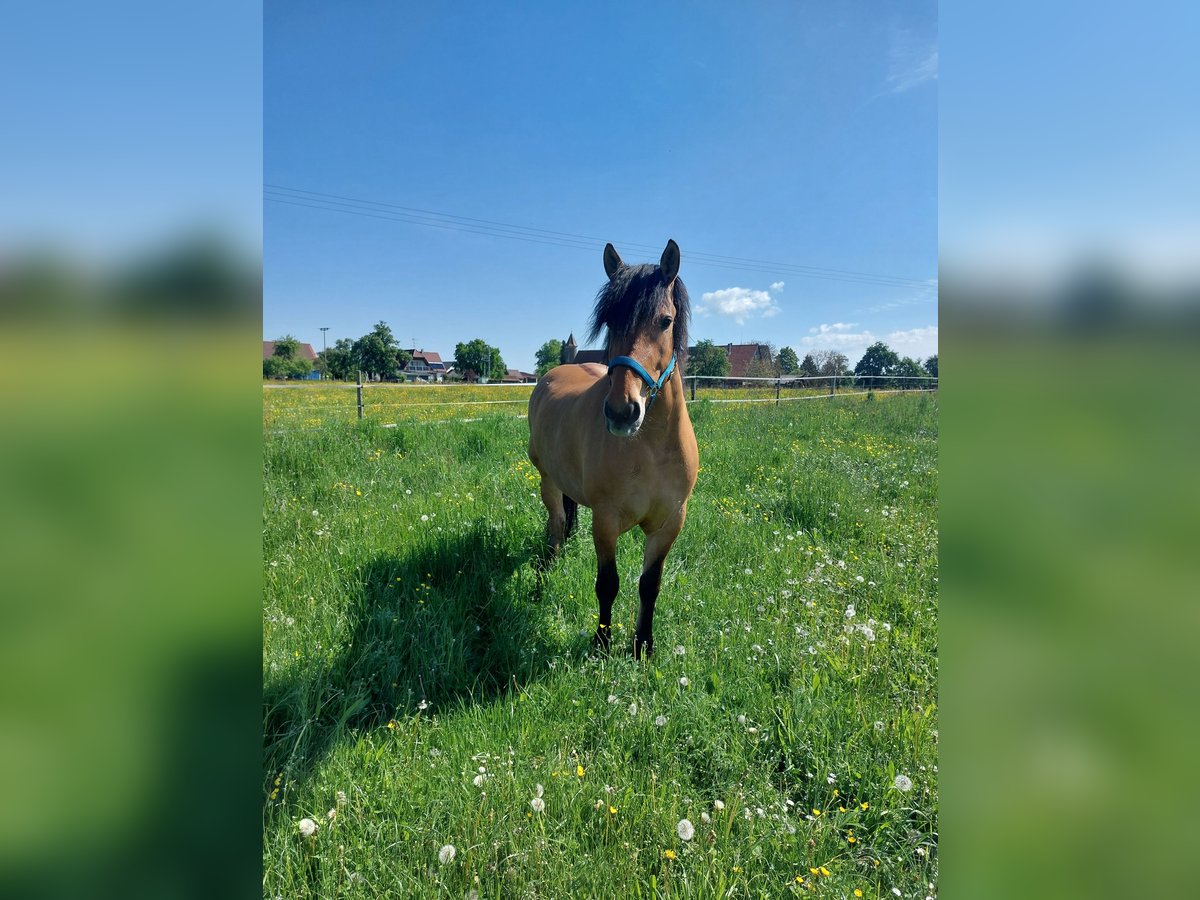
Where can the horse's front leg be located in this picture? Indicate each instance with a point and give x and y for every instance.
(658, 545)
(604, 536)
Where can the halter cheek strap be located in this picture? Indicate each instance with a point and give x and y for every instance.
(655, 386)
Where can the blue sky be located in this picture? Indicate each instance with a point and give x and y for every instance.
(796, 134)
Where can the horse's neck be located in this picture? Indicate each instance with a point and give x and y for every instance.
(670, 408)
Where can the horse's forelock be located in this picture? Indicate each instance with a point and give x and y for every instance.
(631, 298)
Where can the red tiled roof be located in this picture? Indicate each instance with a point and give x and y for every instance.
(428, 355)
(305, 351)
(740, 356)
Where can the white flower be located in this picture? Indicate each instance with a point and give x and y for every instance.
(684, 681)
(903, 783)
(685, 830)
(479, 780)
(705, 818)
(540, 790)
(718, 805)
(633, 708)
(612, 698)
(858, 578)
(679, 650)
(425, 518)
(850, 611)
(341, 798)
(830, 778)
(868, 632)
(332, 814)
(741, 720)
(307, 828)
(446, 854)
(423, 705)
(538, 804)
(660, 721)
(896, 891)
(878, 725)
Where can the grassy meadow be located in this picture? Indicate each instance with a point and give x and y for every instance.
(425, 689)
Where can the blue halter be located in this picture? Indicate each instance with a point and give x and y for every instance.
(655, 386)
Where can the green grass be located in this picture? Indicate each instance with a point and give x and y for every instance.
(372, 612)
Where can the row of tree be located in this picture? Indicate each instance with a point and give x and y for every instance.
(378, 355)
(709, 359)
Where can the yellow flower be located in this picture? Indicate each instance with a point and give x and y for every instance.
(850, 838)
(841, 809)
(816, 812)
(799, 879)
(864, 805)
(835, 792)
(825, 871)
(612, 810)
(392, 724)
(669, 854)
(579, 771)
(814, 871)
(857, 892)
(737, 869)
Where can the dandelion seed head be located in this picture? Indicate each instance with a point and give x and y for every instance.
(446, 854)
(903, 783)
(538, 804)
(685, 830)
(308, 828)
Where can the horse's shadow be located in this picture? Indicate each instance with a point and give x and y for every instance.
(453, 619)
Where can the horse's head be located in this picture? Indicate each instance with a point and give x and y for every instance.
(645, 311)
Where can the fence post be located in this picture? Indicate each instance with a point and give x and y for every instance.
(832, 385)
(360, 403)
(777, 380)
(693, 387)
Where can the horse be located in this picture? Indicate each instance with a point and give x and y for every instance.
(618, 438)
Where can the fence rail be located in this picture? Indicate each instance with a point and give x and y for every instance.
(286, 404)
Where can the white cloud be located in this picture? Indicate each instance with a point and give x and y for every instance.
(918, 343)
(739, 304)
(912, 60)
(835, 327)
(777, 286)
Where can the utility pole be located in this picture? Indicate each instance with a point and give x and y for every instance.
(324, 329)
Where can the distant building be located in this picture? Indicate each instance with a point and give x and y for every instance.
(304, 351)
(742, 355)
(572, 354)
(516, 376)
(425, 365)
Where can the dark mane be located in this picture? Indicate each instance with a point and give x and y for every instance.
(629, 300)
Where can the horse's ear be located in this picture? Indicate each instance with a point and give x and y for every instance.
(669, 264)
(612, 260)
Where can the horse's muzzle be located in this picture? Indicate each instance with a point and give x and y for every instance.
(624, 422)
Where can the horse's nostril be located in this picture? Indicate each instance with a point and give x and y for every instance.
(631, 412)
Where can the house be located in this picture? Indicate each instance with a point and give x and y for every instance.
(304, 351)
(572, 354)
(742, 355)
(425, 365)
(516, 376)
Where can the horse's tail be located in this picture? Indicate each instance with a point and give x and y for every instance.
(571, 508)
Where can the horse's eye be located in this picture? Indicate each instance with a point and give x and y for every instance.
(665, 322)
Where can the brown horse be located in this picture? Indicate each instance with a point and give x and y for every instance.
(618, 438)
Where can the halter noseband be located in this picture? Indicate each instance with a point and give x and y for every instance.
(655, 386)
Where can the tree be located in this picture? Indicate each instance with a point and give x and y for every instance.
(831, 362)
(479, 357)
(930, 366)
(809, 366)
(787, 361)
(286, 347)
(910, 371)
(708, 359)
(378, 353)
(878, 360)
(549, 355)
(338, 361)
(283, 361)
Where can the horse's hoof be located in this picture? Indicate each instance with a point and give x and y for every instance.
(601, 641)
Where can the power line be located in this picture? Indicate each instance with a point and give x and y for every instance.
(466, 224)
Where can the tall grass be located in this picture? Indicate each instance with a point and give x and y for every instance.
(421, 681)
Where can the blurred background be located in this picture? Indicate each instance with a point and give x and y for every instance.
(1069, 216)
(130, 291)
(130, 287)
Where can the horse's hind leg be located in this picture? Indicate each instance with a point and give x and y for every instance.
(556, 522)
(571, 509)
